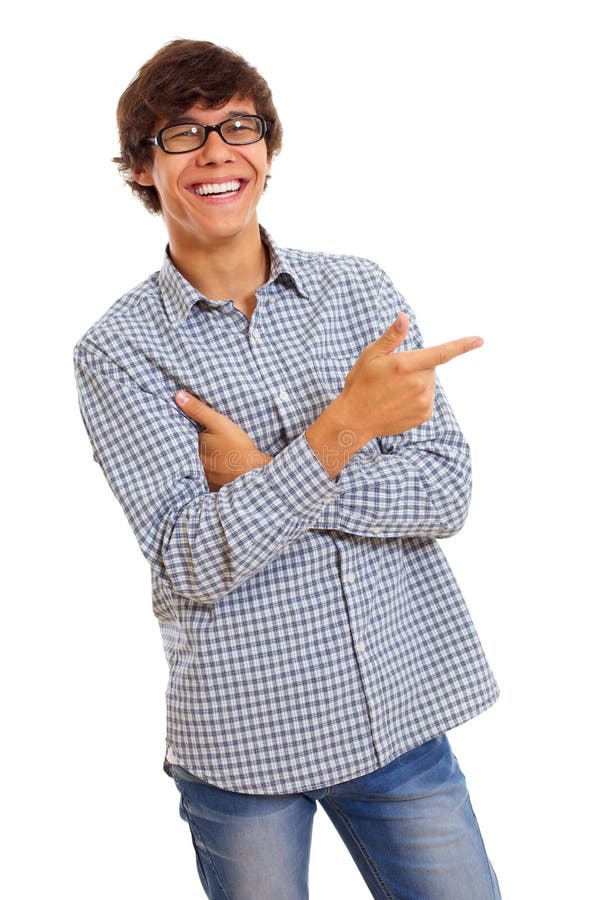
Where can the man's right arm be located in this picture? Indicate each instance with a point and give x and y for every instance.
(204, 543)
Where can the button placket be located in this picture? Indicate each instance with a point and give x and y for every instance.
(269, 356)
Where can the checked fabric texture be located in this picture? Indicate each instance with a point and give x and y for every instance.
(313, 628)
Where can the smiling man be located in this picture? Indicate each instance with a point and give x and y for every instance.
(272, 426)
(208, 199)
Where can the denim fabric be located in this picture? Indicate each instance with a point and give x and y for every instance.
(409, 827)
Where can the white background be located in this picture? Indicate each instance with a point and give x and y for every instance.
(474, 181)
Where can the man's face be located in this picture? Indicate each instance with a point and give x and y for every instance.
(194, 216)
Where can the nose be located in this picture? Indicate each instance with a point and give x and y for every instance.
(214, 151)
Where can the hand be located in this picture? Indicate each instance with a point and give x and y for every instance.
(225, 449)
(389, 393)
(384, 393)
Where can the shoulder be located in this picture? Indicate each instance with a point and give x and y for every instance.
(350, 288)
(135, 311)
(342, 273)
(320, 262)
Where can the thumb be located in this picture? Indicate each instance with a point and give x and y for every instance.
(198, 411)
(393, 336)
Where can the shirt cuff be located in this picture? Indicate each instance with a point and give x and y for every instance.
(297, 476)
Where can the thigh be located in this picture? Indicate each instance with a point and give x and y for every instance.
(411, 829)
(247, 846)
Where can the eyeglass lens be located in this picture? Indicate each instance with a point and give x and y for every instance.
(190, 135)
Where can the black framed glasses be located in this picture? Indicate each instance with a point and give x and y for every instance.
(185, 136)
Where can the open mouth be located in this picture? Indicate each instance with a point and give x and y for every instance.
(224, 189)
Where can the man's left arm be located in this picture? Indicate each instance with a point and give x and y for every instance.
(408, 485)
(413, 484)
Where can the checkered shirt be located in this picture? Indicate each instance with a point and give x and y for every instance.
(313, 628)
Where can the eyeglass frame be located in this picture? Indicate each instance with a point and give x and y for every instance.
(158, 141)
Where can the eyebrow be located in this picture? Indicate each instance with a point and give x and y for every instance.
(239, 112)
(228, 113)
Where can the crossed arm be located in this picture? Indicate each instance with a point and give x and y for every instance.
(385, 396)
(208, 522)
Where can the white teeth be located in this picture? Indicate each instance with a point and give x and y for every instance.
(227, 187)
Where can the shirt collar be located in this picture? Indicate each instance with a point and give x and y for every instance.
(179, 296)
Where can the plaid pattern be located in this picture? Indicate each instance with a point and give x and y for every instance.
(312, 627)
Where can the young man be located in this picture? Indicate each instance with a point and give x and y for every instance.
(272, 426)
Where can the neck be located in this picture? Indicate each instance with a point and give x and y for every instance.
(229, 269)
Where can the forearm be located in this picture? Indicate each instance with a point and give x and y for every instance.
(220, 540)
(405, 494)
(203, 543)
(413, 484)
(416, 483)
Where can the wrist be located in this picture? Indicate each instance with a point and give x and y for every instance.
(332, 438)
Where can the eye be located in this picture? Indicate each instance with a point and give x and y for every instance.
(182, 131)
(236, 125)
(182, 137)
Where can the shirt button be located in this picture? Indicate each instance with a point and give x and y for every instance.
(283, 395)
(361, 647)
(377, 529)
(350, 577)
(255, 334)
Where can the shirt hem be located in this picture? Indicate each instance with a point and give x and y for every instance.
(298, 787)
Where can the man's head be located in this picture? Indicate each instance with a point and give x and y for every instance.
(183, 74)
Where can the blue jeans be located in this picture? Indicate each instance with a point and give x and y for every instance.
(409, 827)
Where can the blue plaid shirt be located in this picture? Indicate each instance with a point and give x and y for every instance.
(313, 628)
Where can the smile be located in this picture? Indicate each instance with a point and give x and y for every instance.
(228, 188)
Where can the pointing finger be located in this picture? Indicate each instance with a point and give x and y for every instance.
(430, 357)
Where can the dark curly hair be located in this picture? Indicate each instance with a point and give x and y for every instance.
(183, 73)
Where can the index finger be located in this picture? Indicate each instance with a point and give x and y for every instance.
(439, 355)
(198, 411)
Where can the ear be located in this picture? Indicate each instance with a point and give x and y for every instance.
(144, 177)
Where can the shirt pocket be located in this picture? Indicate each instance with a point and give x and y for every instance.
(331, 371)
